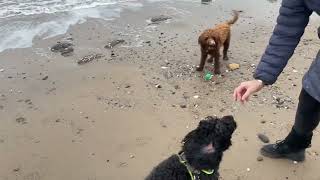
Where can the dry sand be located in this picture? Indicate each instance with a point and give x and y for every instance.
(107, 119)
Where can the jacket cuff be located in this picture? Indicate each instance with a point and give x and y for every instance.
(267, 79)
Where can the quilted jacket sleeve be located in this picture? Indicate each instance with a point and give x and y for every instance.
(293, 18)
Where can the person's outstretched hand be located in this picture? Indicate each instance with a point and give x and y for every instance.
(243, 92)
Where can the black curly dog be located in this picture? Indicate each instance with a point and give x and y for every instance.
(201, 153)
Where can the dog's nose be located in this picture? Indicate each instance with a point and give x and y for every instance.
(230, 120)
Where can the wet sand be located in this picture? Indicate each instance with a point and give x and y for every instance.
(108, 119)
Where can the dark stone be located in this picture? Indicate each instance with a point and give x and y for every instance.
(160, 18)
(222, 109)
(59, 47)
(263, 138)
(65, 48)
(67, 51)
(114, 43)
(45, 78)
(259, 158)
(183, 106)
(263, 121)
(21, 120)
(206, 2)
(89, 58)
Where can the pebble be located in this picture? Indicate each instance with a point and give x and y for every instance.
(132, 156)
(233, 66)
(59, 47)
(1, 70)
(263, 138)
(259, 158)
(196, 96)
(295, 162)
(183, 106)
(45, 78)
(263, 121)
(248, 169)
(114, 43)
(21, 120)
(158, 86)
(89, 58)
(160, 18)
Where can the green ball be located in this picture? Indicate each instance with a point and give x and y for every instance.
(208, 77)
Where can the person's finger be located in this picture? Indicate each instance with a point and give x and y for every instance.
(235, 94)
(246, 95)
(240, 92)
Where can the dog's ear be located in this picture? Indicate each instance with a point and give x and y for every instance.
(202, 39)
(217, 40)
(189, 136)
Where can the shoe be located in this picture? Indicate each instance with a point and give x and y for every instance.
(283, 150)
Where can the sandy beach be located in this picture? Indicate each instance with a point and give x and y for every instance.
(119, 115)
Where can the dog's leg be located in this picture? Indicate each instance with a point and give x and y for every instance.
(210, 60)
(217, 62)
(203, 59)
(226, 47)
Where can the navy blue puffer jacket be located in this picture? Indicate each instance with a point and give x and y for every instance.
(292, 20)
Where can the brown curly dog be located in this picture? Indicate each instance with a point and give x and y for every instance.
(211, 41)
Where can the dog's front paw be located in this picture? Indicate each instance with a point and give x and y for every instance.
(217, 71)
(199, 68)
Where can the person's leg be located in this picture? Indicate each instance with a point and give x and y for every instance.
(308, 114)
(294, 145)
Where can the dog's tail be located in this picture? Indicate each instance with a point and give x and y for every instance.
(235, 17)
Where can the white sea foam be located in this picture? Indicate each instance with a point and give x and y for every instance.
(23, 20)
(9, 8)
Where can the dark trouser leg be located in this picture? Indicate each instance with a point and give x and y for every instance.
(307, 119)
(308, 114)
